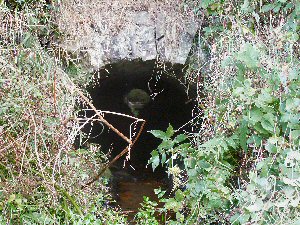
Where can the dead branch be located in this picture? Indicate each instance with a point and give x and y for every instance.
(116, 158)
(98, 114)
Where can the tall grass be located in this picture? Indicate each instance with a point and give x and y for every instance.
(41, 173)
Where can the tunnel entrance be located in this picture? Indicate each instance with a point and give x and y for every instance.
(167, 102)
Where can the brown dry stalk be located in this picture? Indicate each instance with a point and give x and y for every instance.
(101, 117)
(131, 143)
(54, 93)
(116, 158)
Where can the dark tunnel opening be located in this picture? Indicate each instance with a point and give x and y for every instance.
(169, 103)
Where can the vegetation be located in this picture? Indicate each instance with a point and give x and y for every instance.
(241, 167)
(40, 173)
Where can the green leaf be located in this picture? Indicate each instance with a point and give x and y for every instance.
(154, 160)
(294, 155)
(170, 131)
(11, 198)
(257, 206)
(166, 144)
(271, 147)
(190, 163)
(293, 104)
(160, 193)
(180, 138)
(243, 219)
(267, 8)
(243, 133)
(295, 134)
(255, 116)
(159, 134)
(212, 143)
(249, 55)
(203, 164)
(18, 201)
(245, 6)
(264, 99)
(277, 8)
(234, 219)
(173, 205)
(206, 3)
(239, 218)
(163, 158)
(179, 195)
(232, 141)
(258, 127)
(254, 139)
(179, 217)
(268, 122)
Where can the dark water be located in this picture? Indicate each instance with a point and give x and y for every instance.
(131, 195)
(129, 188)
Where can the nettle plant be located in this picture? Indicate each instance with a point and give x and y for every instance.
(243, 165)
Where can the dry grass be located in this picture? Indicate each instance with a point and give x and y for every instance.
(37, 126)
(86, 21)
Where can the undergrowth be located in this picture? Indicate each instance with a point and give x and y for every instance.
(41, 174)
(242, 167)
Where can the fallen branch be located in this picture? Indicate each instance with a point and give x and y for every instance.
(101, 117)
(116, 158)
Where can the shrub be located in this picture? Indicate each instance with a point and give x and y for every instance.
(243, 165)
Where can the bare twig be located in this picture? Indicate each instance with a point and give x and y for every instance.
(54, 93)
(101, 117)
(116, 158)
